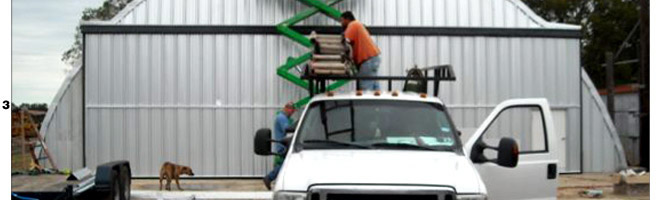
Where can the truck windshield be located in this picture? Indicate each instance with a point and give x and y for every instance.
(376, 124)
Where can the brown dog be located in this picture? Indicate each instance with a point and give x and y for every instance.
(171, 171)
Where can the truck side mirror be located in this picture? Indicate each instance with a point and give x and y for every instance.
(262, 142)
(508, 153)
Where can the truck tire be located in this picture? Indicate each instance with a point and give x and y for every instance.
(115, 191)
(125, 183)
(112, 180)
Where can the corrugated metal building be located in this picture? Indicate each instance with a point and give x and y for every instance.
(626, 119)
(191, 80)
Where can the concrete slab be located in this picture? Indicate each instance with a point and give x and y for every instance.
(190, 195)
(144, 189)
(234, 185)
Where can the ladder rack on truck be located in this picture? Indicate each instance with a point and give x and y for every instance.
(436, 74)
(328, 60)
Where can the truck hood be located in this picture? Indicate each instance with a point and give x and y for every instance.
(408, 167)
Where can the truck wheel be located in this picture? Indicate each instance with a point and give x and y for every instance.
(117, 189)
(125, 183)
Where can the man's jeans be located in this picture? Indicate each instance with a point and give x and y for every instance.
(369, 67)
(274, 173)
(278, 161)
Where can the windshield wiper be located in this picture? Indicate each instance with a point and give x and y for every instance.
(401, 146)
(336, 143)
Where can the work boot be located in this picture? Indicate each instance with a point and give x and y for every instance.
(267, 182)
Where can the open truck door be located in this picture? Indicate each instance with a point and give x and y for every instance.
(515, 151)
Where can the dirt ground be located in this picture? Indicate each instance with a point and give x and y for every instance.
(571, 185)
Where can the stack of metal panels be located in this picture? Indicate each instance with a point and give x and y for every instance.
(331, 55)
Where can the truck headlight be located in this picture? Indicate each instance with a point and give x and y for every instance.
(471, 197)
(289, 195)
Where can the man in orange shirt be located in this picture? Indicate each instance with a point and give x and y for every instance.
(366, 53)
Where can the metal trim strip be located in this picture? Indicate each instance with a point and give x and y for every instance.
(136, 106)
(375, 30)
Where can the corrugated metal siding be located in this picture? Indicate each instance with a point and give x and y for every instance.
(475, 13)
(63, 126)
(197, 99)
(603, 151)
(626, 121)
(190, 99)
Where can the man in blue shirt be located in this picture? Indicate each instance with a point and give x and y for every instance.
(282, 123)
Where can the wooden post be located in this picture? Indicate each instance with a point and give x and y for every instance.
(644, 85)
(23, 140)
(609, 60)
(44, 147)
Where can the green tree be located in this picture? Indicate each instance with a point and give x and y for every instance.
(105, 12)
(14, 108)
(605, 25)
(35, 106)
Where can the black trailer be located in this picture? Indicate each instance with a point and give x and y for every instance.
(111, 180)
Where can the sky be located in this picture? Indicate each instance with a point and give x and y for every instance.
(41, 31)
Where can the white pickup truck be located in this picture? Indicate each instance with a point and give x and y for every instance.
(404, 145)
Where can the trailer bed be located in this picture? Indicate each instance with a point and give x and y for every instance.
(40, 183)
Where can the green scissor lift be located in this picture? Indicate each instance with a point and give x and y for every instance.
(285, 29)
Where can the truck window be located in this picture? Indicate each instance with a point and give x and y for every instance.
(524, 124)
(372, 124)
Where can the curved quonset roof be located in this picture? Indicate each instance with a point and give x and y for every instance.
(62, 128)
(599, 128)
(428, 13)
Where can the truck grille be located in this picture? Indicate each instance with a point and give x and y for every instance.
(384, 193)
(380, 196)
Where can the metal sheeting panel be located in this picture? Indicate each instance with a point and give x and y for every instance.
(62, 127)
(191, 99)
(450, 13)
(603, 151)
(198, 99)
(626, 121)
